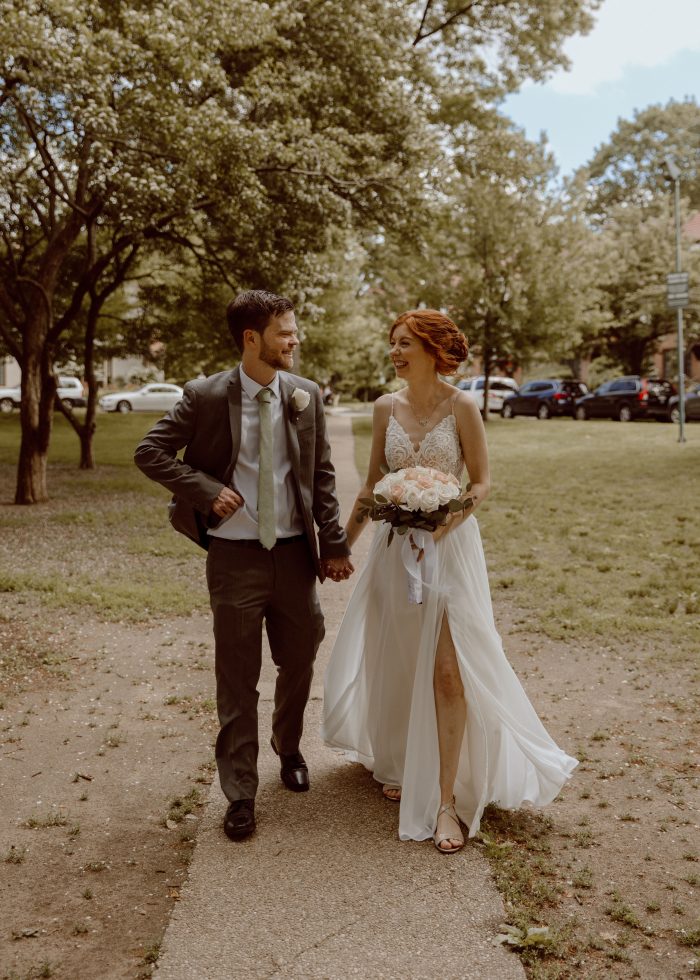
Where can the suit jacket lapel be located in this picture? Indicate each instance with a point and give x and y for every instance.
(234, 414)
(286, 389)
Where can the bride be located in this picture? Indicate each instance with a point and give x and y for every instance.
(422, 694)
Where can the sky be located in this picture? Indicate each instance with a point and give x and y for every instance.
(640, 52)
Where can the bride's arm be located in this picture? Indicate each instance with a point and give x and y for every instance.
(380, 420)
(472, 439)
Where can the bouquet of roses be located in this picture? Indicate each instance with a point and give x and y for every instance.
(419, 497)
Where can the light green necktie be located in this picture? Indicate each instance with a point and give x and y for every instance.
(267, 524)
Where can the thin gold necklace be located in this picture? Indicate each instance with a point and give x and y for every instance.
(422, 420)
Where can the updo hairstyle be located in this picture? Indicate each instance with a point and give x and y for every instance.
(441, 338)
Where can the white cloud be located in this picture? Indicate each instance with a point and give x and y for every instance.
(629, 33)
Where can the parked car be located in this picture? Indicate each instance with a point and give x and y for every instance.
(544, 399)
(692, 406)
(150, 398)
(70, 391)
(9, 400)
(627, 398)
(499, 388)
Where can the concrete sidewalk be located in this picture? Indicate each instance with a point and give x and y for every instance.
(324, 889)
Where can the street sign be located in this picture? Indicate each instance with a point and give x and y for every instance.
(677, 290)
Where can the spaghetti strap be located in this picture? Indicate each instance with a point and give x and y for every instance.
(392, 404)
(452, 402)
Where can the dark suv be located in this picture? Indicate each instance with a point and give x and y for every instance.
(692, 406)
(543, 399)
(627, 398)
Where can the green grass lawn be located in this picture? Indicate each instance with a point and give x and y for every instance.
(102, 542)
(592, 528)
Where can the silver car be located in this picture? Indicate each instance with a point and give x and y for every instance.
(9, 399)
(151, 398)
(70, 391)
(499, 388)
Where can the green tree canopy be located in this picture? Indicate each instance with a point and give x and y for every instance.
(630, 168)
(627, 195)
(242, 134)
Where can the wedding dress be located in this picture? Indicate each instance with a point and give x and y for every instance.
(379, 705)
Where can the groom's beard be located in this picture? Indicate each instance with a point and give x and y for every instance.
(276, 359)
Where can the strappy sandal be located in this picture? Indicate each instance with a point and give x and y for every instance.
(388, 788)
(438, 839)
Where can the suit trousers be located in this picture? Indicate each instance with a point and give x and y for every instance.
(249, 585)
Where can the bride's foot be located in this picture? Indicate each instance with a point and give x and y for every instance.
(448, 836)
(392, 792)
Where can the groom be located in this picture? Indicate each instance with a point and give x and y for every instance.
(255, 476)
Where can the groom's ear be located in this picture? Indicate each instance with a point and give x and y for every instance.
(250, 337)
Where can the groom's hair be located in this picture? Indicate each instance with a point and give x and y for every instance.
(253, 310)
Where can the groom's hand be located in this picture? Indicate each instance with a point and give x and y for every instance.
(337, 569)
(227, 502)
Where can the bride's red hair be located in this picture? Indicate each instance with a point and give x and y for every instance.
(441, 338)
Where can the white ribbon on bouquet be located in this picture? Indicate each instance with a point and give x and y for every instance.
(418, 557)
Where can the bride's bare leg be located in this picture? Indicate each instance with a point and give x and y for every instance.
(451, 711)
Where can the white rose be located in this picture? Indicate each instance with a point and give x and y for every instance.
(386, 483)
(383, 487)
(300, 399)
(391, 479)
(413, 499)
(446, 492)
(430, 500)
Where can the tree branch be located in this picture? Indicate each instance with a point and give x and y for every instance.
(419, 32)
(10, 342)
(446, 23)
(347, 185)
(136, 148)
(50, 164)
(44, 295)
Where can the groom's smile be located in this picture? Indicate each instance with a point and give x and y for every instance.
(278, 342)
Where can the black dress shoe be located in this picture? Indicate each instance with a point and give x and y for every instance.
(294, 771)
(239, 821)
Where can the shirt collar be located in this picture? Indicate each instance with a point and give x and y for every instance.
(252, 388)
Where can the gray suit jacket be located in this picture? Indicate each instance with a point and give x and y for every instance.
(207, 421)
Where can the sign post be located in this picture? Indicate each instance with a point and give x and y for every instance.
(677, 293)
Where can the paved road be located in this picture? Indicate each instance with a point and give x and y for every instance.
(325, 889)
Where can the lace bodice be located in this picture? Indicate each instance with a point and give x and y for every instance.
(439, 447)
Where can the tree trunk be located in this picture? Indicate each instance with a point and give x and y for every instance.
(87, 459)
(633, 355)
(38, 392)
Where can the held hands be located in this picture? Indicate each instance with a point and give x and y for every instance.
(227, 502)
(337, 569)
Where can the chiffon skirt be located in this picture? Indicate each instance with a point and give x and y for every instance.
(379, 705)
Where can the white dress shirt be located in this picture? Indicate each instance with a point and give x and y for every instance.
(244, 522)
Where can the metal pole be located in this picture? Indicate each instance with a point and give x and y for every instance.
(679, 316)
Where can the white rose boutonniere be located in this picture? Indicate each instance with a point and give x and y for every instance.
(300, 399)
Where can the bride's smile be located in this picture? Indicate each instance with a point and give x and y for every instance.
(408, 353)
